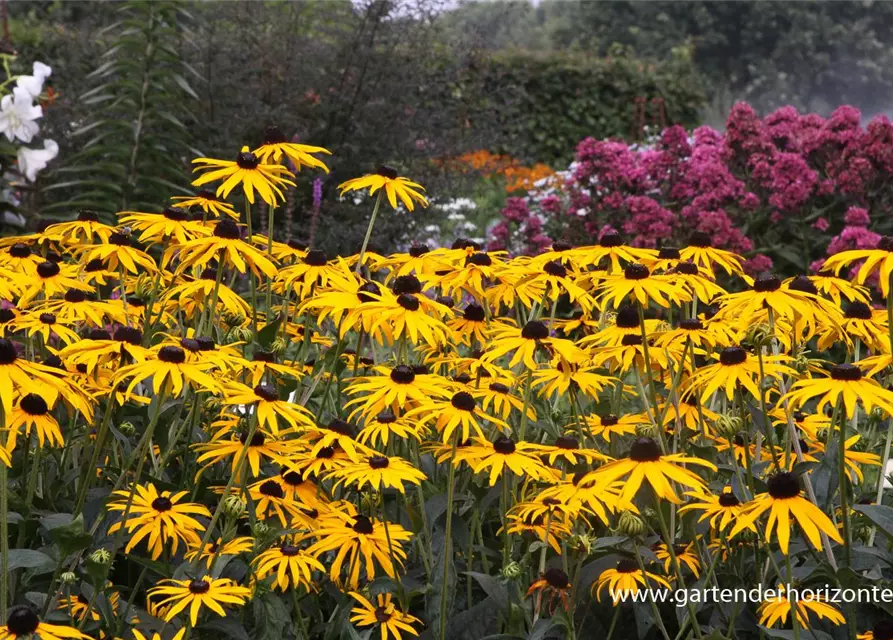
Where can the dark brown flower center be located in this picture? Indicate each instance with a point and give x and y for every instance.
(417, 250)
(387, 172)
(728, 500)
(556, 578)
(609, 420)
(535, 330)
(274, 135)
(316, 258)
(341, 428)
(199, 586)
(363, 525)
(326, 453)
(88, 215)
(364, 291)
(267, 392)
(33, 405)
(175, 214)
(627, 317)
(691, 324)
(567, 442)
(162, 503)
(627, 565)
(406, 284)
(48, 269)
(379, 462)
(687, 268)
(858, 311)
(611, 239)
(75, 295)
(700, 239)
(555, 268)
(731, 356)
(247, 160)
(764, 284)
(172, 354)
(668, 253)
(227, 229)
(381, 615)
(386, 417)
(803, 284)
(498, 387)
(19, 250)
(847, 372)
(8, 353)
(783, 485)
(48, 318)
(408, 302)
(480, 259)
(504, 445)
(190, 344)
(22, 621)
(474, 313)
(644, 450)
(631, 340)
(636, 272)
(272, 489)
(402, 374)
(289, 550)
(257, 440)
(463, 401)
(6, 315)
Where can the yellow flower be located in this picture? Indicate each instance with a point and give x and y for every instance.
(779, 608)
(248, 171)
(626, 579)
(197, 594)
(392, 621)
(22, 622)
(291, 566)
(394, 187)
(277, 145)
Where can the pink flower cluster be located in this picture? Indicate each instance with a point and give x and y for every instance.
(801, 185)
(519, 226)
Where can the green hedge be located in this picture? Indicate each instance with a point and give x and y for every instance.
(548, 102)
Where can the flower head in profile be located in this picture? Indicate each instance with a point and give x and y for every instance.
(778, 609)
(249, 171)
(394, 187)
(276, 145)
(626, 579)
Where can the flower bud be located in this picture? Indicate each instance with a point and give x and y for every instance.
(233, 507)
(646, 430)
(241, 334)
(101, 556)
(583, 542)
(260, 529)
(68, 577)
(759, 335)
(628, 523)
(127, 428)
(279, 345)
(512, 571)
(728, 426)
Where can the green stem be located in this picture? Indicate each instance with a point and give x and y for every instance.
(369, 231)
(447, 535)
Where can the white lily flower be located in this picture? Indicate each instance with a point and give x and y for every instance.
(33, 161)
(17, 115)
(33, 84)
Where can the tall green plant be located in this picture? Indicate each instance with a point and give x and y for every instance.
(137, 116)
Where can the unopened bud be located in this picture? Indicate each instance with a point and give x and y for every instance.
(127, 428)
(68, 577)
(234, 506)
(279, 345)
(512, 571)
(260, 529)
(101, 556)
(628, 523)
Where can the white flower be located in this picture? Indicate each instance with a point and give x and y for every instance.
(17, 115)
(33, 84)
(32, 161)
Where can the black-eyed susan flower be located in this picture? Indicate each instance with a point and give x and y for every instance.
(609, 425)
(208, 553)
(853, 459)
(198, 594)
(379, 472)
(119, 254)
(837, 288)
(413, 316)
(699, 334)
(51, 279)
(313, 272)
(625, 322)
(169, 370)
(686, 554)
(20, 376)
(701, 251)
(47, 326)
(227, 444)
(877, 261)
(172, 225)
(393, 389)
(276, 146)
(32, 413)
(99, 349)
(540, 527)
(76, 306)
(472, 325)
(646, 463)
(502, 454)
(736, 369)
(249, 171)
(338, 434)
(190, 295)
(612, 253)
(384, 614)
(498, 393)
(290, 565)
(387, 427)
(224, 246)
(208, 202)
(270, 408)
(637, 283)
(859, 321)
(784, 502)
(721, 510)
(458, 412)
(471, 276)
(626, 579)
(392, 185)
(846, 384)
(568, 448)
(779, 608)
(159, 516)
(524, 342)
(553, 584)
(85, 229)
(359, 544)
(271, 502)
(23, 622)
(561, 376)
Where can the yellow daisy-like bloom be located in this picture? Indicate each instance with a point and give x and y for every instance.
(84, 229)
(555, 584)
(852, 459)
(693, 330)
(384, 613)
(314, 272)
(168, 364)
(783, 500)
(119, 255)
(646, 463)
(197, 594)
(190, 296)
(139, 635)
(637, 283)
(46, 325)
(224, 245)
(624, 580)
(702, 252)
(276, 145)
(171, 225)
(208, 202)
(686, 554)
(32, 412)
(22, 622)
(859, 321)
(218, 548)
(610, 246)
(386, 427)
(359, 543)
(503, 454)
(290, 565)
(498, 393)
(459, 412)
(269, 407)
(567, 448)
(160, 516)
(19, 258)
(51, 279)
(721, 510)
(837, 288)
(75, 306)
(395, 389)
(535, 525)
(19, 376)
(737, 369)
(876, 261)
(410, 315)
(779, 608)
(379, 472)
(394, 187)
(246, 170)
(609, 425)
(525, 341)
(846, 383)
(228, 444)
(556, 380)
(882, 630)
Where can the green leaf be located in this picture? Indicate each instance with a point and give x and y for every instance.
(30, 559)
(493, 587)
(69, 536)
(879, 514)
